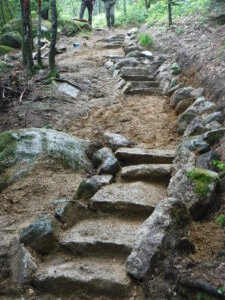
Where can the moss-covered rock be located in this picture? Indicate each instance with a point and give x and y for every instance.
(20, 150)
(15, 25)
(70, 28)
(4, 67)
(201, 179)
(5, 49)
(11, 39)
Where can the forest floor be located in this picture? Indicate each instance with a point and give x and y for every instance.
(100, 106)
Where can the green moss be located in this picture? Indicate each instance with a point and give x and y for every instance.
(145, 39)
(11, 39)
(70, 28)
(214, 138)
(5, 49)
(4, 67)
(201, 180)
(7, 150)
(220, 220)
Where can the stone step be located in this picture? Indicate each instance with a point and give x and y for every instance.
(133, 156)
(142, 91)
(144, 84)
(137, 77)
(113, 45)
(134, 71)
(101, 235)
(137, 198)
(147, 171)
(83, 278)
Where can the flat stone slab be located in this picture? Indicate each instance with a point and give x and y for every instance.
(111, 235)
(81, 276)
(137, 77)
(113, 46)
(137, 197)
(141, 156)
(67, 89)
(142, 90)
(146, 171)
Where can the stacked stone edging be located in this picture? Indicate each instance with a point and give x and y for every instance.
(200, 124)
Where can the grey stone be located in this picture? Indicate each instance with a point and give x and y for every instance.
(134, 71)
(165, 75)
(212, 137)
(116, 73)
(24, 148)
(90, 186)
(160, 231)
(131, 49)
(101, 155)
(23, 264)
(109, 64)
(184, 120)
(109, 166)
(205, 160)
(180, 94)
(40, 235)
(134, 54)
(184, 158)
(212, 126)
(71, 212)
(126, 62)
(121, 84)
(132, 31)
(196, 127)
(183, 105)
(115, 141)
(144, 156)
(196, 93)
(146, 171)
(135, 198)
(215, 116)
(147, 54)
(67, 89)
(172, 89)
(201, 106)
(143, 89)
(92, 148)
(196, 143)
(194, 187)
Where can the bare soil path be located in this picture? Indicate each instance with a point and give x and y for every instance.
(99, 107)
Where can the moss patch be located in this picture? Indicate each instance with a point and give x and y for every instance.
(11, 39)
(201, 180)
(7, 150)
(5, 49)
(4, 67)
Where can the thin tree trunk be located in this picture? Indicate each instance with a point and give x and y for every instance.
(27, 44)
(125, 7)
(170, 12)
(2, 12)
(24, 54)
(9, 10)
(39, 61)
(53, 34)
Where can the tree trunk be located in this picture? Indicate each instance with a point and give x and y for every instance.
(27, 42)
(53, 34)
(2, 12)
(45, 10)
(39, 61)
(170, 12)
(125, 7)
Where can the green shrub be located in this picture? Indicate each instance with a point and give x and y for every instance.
(145, 39)
(220, 165)
(220, 220)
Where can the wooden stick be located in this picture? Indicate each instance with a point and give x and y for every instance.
(21, 96)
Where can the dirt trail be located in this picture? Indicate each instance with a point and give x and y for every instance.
(100, 106)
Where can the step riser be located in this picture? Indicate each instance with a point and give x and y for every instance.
(137, 78)
(145, 91)
(98, 248)
(123, 209)
(66, 287)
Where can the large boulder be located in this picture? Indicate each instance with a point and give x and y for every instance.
(11, 39)
(40, 235)
(20, 151)
(160, 231)
(194, 187)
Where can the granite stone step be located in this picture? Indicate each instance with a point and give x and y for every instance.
(128, 156)
(83, 278)
(101, 236)
(147, 171)
(138, 198)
